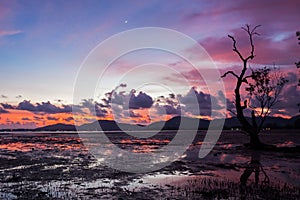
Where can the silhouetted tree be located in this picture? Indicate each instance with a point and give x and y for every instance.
(263, 89)
(298, 63)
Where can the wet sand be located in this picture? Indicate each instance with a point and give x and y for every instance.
(59, 166)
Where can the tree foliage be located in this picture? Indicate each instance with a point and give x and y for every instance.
(264, 91)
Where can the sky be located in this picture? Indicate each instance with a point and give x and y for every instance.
(44, 43)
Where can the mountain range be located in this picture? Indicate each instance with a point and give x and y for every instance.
(174, 123)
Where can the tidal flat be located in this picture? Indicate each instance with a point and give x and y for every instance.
(43, 165)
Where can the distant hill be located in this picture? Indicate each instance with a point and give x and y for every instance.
(105, 125)
(271, 122)
(57, 127)
(185, 123)
(174, 123)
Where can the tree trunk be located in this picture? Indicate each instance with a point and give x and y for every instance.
(246, 126)
(254, 140)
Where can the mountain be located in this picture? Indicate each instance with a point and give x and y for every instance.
(107, 125)
(57, 127)
(271, 122)
(110, 125)
(185, 123)
(174, 123)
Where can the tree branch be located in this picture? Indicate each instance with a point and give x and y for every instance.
(251, 33)
(235, 48)
(230, 72)
(245, 79)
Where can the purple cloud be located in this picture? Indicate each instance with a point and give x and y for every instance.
(26, 105)
(7, 106)
(45, 107)
(2, 111)
(201, 100)
(142, 100)
(168, 105)
(94, 107)
(134, 114)
(26, 119)
(37, 118)
(69, 119)
(52, 118)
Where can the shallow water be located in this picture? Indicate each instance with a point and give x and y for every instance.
(59, 166)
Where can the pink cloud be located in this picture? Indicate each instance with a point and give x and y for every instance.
(280, 49)
(10, 32)
(279, 22)
(277, 15)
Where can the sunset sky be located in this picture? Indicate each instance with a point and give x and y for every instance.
(44, 43)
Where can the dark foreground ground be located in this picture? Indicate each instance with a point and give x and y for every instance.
(58, 166)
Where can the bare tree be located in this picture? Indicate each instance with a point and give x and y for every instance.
(263, 90)
(298, 63)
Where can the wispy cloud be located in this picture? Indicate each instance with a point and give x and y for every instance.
(9, 32)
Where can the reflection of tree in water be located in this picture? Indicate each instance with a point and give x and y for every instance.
(254, 166)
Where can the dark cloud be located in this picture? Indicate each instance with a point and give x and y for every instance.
(128, 100)
(120, 99)
(7, 106)
(3, 96)
(169, 105)
(69, 119)
(45, 107)
(26, 119)
(94, 107)
(49, 108)
(115, 97)
(37, 118)
(203, 101)
(88, 103)
(26, 105)
(19, 96)
(52, 118)
(172, 96)
(101, 112)
(134, 114)
(2, 111)
(66, 108)
(288, 102)
(142, 100)
(77, 109)
(170, 110)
